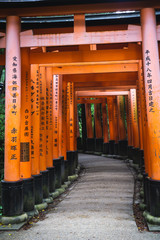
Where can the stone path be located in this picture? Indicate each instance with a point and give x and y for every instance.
(98, 207)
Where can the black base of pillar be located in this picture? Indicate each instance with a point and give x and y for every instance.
(147, 192)
(71, 157)
(76, 152)
(111, 147)
(45, 183)
(154, 189)
(105, 148)
(66, 170)
(57, 165)
(74, 161)
(51, 173)
(130, 152)
(99, 145)
(38, 188)
(116, 152)
(28, 194)
(135, 155)
(141, 158)
(79, 143)
(12, 198)
(122, 147)
(145, 188)
(90, 144)
(62, 170)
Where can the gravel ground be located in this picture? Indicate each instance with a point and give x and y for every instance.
(99, 207)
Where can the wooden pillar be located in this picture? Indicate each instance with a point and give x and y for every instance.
(144, 120)
(42, 144)
(121, 118)
(115, 119)
(12, 121)
(98, 124)
(64, 119)
(56, 80)
(139, 116)
(35, 119)
(134, 116)
(25, 139)
(105, 123)
(68, 116)
(60, 117)
(152, 90)
(152, 86)
(89, 120)
(72, 123)
(49, 117)
(35, 133)
(129, 134)
(75, 120)
(13, 100)
(111, 117)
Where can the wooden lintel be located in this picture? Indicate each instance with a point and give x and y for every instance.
(133, 34)
(96, 68)
(103, 79)
(77, 9)
(84, 100)
(97, 94)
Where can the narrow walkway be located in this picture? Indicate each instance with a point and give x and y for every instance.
(98, 207)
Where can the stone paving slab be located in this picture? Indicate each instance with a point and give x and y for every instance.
(98, 207)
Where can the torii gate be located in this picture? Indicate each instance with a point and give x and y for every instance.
(17, 147)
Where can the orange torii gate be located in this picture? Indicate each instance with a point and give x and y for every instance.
(26, 157)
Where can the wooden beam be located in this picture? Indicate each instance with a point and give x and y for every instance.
(113, 88)
(99, 67)
(82, 100)
(133, 52)
(77, 9)
(98, 78)
(97, 94)
(133, 34)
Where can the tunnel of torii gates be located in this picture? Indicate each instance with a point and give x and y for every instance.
(43, 90)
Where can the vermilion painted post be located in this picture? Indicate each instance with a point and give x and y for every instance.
(64, 120)
(42, 144)
(25, 140)
(144, 120)
(35, 133)
(115, 120)
(134, 115)
(152, 90)
(139, 116)
(98, 128)
(111, 124)
(49, 128)
(135, 127)
(12, 186)
(122, 143)
(56, 159)
(49, 117)
(90, 141)
(72, 123)
(121, 120)
(42, 137)
(89, 120)
(60, 117)
(105, 123)
(68, 116)
(55, 116)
